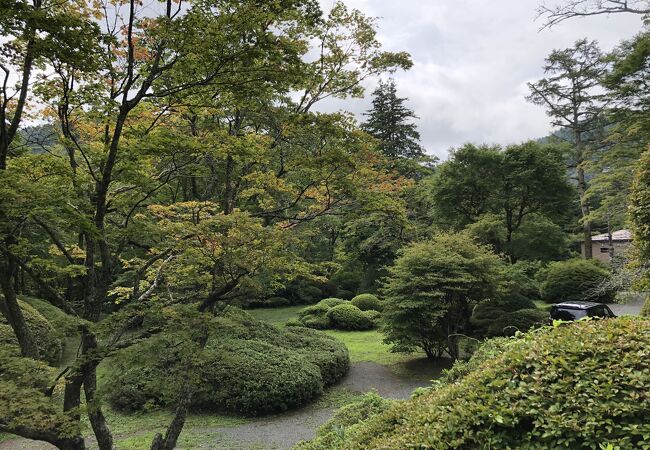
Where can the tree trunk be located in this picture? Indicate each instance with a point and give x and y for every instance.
(584, 207)
(95, 413)
(11, 309)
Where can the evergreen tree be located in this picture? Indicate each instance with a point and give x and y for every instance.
(388, 121)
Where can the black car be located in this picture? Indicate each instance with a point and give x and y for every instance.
(578, 310)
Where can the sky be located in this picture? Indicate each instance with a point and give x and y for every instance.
(472, 60)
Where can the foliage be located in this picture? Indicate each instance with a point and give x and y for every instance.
(640, 215)
(277, 302)
(64, 325)
(431, 290)
(565, 387)
(520, 320)
(349, 317)
(493, 310)
(248, 367)
(331, 302)
(23, 399)
(47, 339)
(366, 302)
(575, 280)
(512, 198)
(332, 433)
(388, 121)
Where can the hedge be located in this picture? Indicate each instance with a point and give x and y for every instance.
(574, 386)
(332, 433)
(367, 302)
(331, 302)
(349, 317)
(521, 320)
(248, 367)
(575, 280)
(47, 340)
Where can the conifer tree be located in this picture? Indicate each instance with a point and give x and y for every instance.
(389, 121)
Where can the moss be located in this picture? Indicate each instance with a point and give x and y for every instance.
(47, 340)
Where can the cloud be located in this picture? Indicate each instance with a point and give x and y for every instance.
(472, 60)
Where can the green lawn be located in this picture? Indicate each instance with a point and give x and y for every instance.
(362, 345)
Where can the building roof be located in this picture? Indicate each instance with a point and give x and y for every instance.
(620, 235)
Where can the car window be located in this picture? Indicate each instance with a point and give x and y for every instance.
(598, 311)
(568, 314)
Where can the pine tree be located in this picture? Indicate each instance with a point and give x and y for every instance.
(388, 121)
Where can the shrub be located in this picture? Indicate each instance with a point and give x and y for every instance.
(366, 302)
(349, 317)
(345, 294)
(575, 280)
(316, 322)
(254, 377)
(277, 302)
(347, 281)
(431, 289)
(374, 317)
(522, 320)
(576, 386)
(320, 309)
(331, 302)
(488, 311)
(309, 294)
(645, 310)
(293, 323)
(64, 325)
(247, 367)
(47, 341)
(332, 433)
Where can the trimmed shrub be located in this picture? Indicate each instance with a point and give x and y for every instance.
(64, 325)
(277, 302)
(367, 302)
(574, 280)
(47, 340)
(349, 317)
(331, 302)
(576, 386)
(319, 309)
(486, 312)
(293, 323)
(521, 320)
(248, 367)
(374, 317)
(332, 433)
(316, 322)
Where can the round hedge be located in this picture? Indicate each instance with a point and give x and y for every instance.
(47, 341)
(319, 309)
(248, 367)
(349, 317)
(366, 302)
(316, 322)
(575, 280)
(521, 320)
(576, 386)
(331, 302)
(373, 316)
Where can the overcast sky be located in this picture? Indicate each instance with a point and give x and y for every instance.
(472, 60)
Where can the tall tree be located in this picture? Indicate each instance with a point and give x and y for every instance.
(572, 98)
(501, 194)
(389, 120)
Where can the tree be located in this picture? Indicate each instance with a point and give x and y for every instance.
(503, 196)
(640, 215)
(572, 99)
(431, 289)
(389, 122)
(569, 9)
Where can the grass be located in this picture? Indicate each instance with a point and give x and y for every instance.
(276, 316)
(362, 345)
